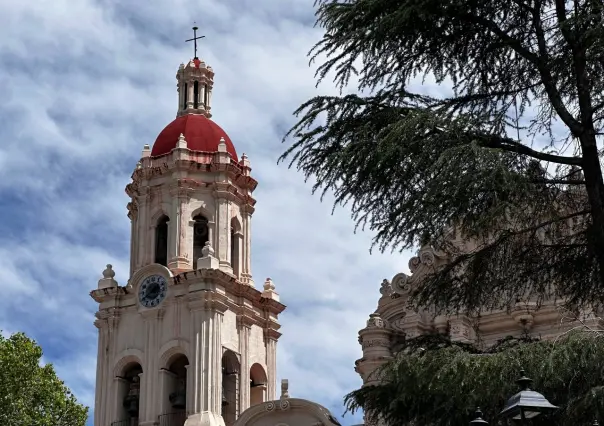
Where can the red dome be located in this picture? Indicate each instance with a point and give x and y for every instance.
(201, 134)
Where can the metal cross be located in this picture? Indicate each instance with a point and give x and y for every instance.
(194, 40)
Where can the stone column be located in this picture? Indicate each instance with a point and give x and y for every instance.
(149, 382)
(180, 87)
(224, 232)
(143, 231)
(244, 328)
(270, 338)
(133, 254)
(101, 407)
(173, 230)
(166, 383)
(115, 413)
(109, 385)
(246, 261)
(202, 95)
(179, 258)
(189, 390)
(207, 311)
(191, 94)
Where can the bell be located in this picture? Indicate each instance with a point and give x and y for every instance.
(178, 399)
(131, 405)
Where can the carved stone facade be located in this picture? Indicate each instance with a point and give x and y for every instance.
(287, 411)
(188, 340)
(393, 321)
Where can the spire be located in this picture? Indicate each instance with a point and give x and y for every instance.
(195, 82)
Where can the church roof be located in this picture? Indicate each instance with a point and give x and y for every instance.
(201, 134)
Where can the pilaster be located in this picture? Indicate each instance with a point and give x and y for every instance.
(117, 397)
(270, 338)
(207, 309)
(101, 374)
(181, 258)
(246, 272)
(149, 382)
(244, 328)
(143, 229)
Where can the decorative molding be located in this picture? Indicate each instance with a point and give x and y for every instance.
(172, 348)
(386, 288)
(126, 357)
(401, 283)
(375, 342)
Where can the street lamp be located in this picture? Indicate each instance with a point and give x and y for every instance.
(478, 420)
(527, 403)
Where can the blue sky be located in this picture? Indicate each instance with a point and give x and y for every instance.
(84, 85)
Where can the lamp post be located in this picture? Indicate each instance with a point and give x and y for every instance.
(527, 403)
(478, 420)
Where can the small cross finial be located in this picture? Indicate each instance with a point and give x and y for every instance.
(194, 40)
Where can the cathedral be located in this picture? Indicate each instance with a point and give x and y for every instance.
(190, 340)
(393, 321)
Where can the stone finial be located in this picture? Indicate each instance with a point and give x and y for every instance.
(207, 250)
(245, 163)
(207, 259)
(269, 290)
(146, 151)
(109, 272)
(139, 165)
(182, 143)
(222, 145)
(181, 66)
(108, 278)
(375, 321)
(269, 285)
(386, 288)
(284, 389)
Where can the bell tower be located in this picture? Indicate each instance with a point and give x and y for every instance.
(188, 340)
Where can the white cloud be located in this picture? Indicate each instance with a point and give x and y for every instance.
(84, 85)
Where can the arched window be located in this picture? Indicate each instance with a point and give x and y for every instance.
(258, 381)
(129, 394)
(200, 236)
(195, 95)
(185, 97)
(230, 387)
(161, 241)
(175, 387)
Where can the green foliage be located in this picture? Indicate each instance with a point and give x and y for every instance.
(30, 394)
(438, 382)
(412, 166)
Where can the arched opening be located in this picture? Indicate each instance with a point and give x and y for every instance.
(230, 387)
(185, 97)
(161, 241)
(200, 236)
(129, 394)
(236, 244)
(195, 95)
(258, 382)
(174, 409)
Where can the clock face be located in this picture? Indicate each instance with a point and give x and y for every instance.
(152, 291)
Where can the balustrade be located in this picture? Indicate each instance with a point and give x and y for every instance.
(173, 419)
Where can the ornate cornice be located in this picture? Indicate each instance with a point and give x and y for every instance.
(104, 294)
(208, 301)
(232, 286)
(196, 162)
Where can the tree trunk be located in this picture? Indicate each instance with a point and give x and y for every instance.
(594, 184)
